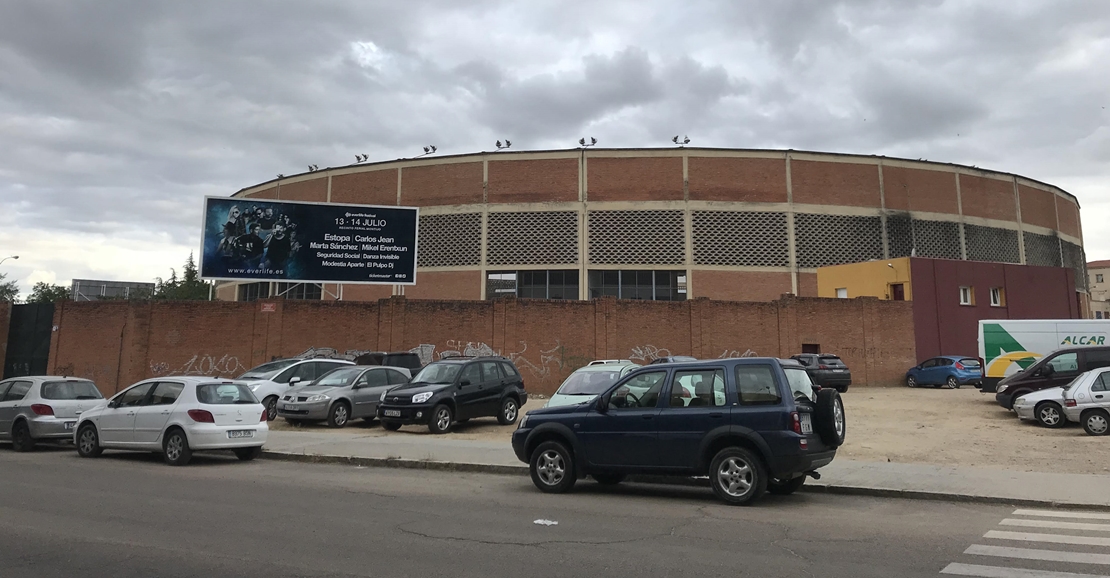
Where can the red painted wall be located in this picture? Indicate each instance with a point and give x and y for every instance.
(944, 327)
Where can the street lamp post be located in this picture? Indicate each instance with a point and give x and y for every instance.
(8, 257)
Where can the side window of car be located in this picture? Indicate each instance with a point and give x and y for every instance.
(944, 362)
(17, 390)
(1102, 382)
(1096, 358)
(756, 385)
(510, 370)
(375, 378)
(286, 375)
(135, 396)
(704, 388)
(1065, 363)
(323, 367)
(394, 377)
(929, 363)
(305, 371)
(471, 373)
(641, 390)
(166, 393)
(491, 371)
(4, 389)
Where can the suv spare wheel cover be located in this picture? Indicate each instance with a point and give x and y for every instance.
(828, 420)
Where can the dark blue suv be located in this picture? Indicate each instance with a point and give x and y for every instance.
(751, 425)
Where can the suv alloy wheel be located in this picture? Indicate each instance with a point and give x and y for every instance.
(552, 468)
(440, 422)
(737, 476)
(509, 411)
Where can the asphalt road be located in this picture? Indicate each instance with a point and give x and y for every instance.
(126, 515)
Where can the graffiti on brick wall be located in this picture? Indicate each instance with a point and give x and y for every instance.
(331, 353)
(541, 363)
(201, 364)
(648, 353)
(735, 353)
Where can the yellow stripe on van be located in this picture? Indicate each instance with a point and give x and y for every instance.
(998, 366)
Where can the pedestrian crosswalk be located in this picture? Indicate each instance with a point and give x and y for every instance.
(1041, 544)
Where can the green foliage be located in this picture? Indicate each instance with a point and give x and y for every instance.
(9, 290)
(47, 293)
(189, 287)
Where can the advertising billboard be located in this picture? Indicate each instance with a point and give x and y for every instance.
(248, 239)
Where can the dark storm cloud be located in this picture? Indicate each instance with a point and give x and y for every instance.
(117, 117)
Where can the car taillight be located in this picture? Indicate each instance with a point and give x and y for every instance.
(959, 366)
(42, 409)
(265, 416)
(1069, 402)
(201, 416)
(822, 367)
(795, 422)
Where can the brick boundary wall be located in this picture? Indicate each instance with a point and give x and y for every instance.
(117, 343)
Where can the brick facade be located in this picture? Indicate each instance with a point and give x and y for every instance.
(118, 343)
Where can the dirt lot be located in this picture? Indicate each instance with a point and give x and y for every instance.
(937, 426)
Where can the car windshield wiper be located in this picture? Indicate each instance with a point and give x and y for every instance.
(86, 397)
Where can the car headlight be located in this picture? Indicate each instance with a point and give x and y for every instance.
(255, 386)
(1003, 388)
(523, 422)
(382, 398)
(317, 397)
(422, 397)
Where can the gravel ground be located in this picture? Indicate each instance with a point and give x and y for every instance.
(937, 426)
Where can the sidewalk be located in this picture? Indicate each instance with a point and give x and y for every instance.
(842, 476)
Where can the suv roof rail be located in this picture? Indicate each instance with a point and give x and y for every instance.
(608, 361)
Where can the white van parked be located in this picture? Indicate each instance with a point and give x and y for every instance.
(1007, 346)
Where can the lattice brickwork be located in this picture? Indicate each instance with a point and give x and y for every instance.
(937, 239)
(538, 238)
(637, 237)
(836, 239)
(452, 240)
(991, 244)
(1042, 250)
(1075, 258)
(899, 236)
(740, 239)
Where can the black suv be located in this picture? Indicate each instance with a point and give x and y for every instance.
(826, 370)
(752, 424)
(454, 390)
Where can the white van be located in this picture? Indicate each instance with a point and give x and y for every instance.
(1007, 346)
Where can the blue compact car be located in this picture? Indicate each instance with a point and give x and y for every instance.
(751, 425)
(951, 371)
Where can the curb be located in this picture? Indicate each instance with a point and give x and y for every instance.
(813, 487)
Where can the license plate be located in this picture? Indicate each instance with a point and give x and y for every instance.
(391, 412)
(807, 423)
(69, 425)
(240, 433)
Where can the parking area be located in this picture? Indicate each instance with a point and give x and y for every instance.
(937, 426)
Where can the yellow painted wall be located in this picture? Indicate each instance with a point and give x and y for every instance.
(869, 279)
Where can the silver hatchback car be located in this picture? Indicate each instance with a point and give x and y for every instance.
(41, 408)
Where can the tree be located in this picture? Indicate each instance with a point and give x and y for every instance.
(189, 287)
(47, 293)
(9, 290)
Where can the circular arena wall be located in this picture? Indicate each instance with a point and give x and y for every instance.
(731, 224)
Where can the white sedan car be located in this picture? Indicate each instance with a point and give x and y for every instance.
(175, 416)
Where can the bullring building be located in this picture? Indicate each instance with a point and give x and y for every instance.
(681, 223)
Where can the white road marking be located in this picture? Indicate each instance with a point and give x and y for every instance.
(1034, 554)
(1001, 572)
(1050, 538)
(1062, 514)
(1055, 524)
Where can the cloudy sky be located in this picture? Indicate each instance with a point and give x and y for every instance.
(116, 118)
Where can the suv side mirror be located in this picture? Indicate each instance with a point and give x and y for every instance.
(464, 382)
(1048, 370)
(602, 404)
(114, 403)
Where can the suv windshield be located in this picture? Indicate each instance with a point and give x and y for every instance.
(225, 394)
(70, 390)
(268, 370)
(800, 384)
(588, 382)
(438, 373)
(340, 377)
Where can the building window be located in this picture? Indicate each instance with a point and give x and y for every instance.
(553, 284)
(842, 293)
(634, 284)
(253, 291)
(1098, 277)
(967, 295)
(308, 291)
(998, 298)
(1098, 314)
